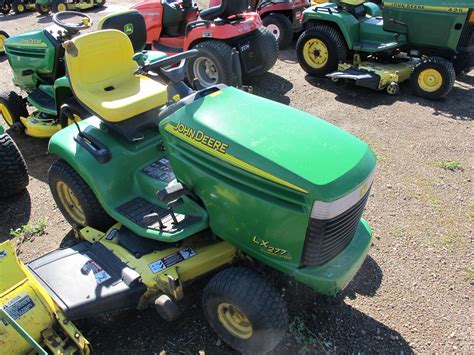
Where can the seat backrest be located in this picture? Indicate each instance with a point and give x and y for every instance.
(130, 22)
(225, 9)
(97, 61)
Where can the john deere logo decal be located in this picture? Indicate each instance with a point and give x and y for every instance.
(128, 29)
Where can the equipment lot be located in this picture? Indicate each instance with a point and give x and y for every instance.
(414, 292)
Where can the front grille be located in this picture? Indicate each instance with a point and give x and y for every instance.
(327, 238)
(467, 36)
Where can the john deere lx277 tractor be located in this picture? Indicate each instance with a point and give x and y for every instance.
(426, 41)
(17, 6)
(165, 184)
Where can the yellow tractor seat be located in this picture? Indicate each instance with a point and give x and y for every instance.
(101, 73)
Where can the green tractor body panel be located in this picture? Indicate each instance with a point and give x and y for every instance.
(33, 58)
(365, 34)
(43, 2)
(430, 23)
(257, 189)
(2, 130)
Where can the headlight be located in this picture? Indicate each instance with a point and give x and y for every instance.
(327, 210)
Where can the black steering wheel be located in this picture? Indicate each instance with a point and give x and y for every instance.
(61, 18)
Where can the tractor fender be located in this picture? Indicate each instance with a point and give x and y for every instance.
(373, 9)
(344, 22)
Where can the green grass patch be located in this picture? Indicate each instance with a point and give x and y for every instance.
(451, 238)
(470, 273)
(30, 230)
(451, 165)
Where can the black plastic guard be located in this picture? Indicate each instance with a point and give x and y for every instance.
(87, 279)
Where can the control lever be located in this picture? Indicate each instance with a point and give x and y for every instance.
(171, 193)
(174, 204)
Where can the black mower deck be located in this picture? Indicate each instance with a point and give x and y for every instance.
(88, 279)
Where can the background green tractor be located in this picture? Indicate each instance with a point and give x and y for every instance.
(18, 6)
(45, 6)
(426, 41)
(14, 176)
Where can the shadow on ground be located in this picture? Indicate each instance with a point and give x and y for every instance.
(318, 324)
(457, 105)
(273, 87)
(15, 212)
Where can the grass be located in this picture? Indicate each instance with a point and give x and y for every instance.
(451, 238)
(304, 336)
(451, 165)
(470, 273)
(30, 230)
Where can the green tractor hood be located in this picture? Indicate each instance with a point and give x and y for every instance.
(270, 145)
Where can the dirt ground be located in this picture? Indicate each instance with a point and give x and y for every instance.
(415, 291)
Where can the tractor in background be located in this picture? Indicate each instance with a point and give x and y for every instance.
(425, 41)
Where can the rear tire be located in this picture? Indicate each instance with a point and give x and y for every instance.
(212, 65)
(280, 27)
(18, 7)
(245, 310)
(320, 49)
(269, 47)
(75, 199)
(42, 9)
(433, 78)
(13, 167)
(12, 107)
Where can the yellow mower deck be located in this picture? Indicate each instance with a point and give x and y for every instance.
(32, 319)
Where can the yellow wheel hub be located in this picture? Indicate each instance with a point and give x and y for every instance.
(430, 80)
(70, 203)
(62, 7)
(7, 116)
(315, 53)
(234, 321)
(20, 8)
(2, 43)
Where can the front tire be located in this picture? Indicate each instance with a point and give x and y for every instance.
(59, 6)
(13, 167)
(212, 65)
(18, 7)
(99, 3)
(433, 78)
(75, 199)
(280, 27)
(320, 49)
(12, 107)
(245, 310)
(3, 37)
(42, 9)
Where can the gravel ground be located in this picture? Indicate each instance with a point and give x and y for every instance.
(413, 294)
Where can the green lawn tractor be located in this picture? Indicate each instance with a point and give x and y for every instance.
(14, 176)
(37, 62)
(18, 6)
(426, 41)
(45, 6)
(3, 37)
(165, 184)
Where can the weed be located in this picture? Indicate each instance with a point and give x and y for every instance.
(304, 336)
(470, 273)
(28, 231)
(451, 238)
(451, 165)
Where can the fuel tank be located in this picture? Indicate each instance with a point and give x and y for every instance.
(34, 58)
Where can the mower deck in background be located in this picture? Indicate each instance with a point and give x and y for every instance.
(425, 41)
